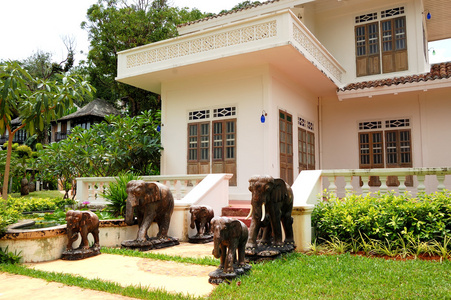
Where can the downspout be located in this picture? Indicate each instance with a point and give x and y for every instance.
(320, 133)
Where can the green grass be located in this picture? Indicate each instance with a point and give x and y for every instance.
(296, 276)
(40, 194)
(300, 276)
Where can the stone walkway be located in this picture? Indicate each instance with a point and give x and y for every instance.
(167, 275)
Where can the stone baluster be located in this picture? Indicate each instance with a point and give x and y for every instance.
(421, 187)
(183, 187)
(332, 186)
(365, 186)
(90, 192)
(383, 188)
(348, 187)
(441, 182)
(402, 184)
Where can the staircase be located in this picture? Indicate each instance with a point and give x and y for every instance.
(238, 211)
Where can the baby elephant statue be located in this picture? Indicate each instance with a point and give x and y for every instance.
(153, 202)
(230, 236)
(82, 222)
(201, 216)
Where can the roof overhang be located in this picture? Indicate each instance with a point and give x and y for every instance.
(278, 39)
(394, 89)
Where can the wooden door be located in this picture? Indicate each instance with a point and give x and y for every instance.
(286, 146)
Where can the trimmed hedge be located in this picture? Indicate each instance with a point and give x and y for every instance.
(24, 204)
(384, 217)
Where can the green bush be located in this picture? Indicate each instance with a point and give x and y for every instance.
(9, 257)
(24, 151)
(24, 204)
(116, 193)
(8, 216)
(384, 217)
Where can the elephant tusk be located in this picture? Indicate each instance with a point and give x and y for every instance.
(249, 215)
(263, 212)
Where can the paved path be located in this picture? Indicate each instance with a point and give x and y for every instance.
(168, 275)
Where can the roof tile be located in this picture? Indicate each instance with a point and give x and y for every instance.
(438, 71)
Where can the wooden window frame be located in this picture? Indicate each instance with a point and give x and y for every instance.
(367, 49)
(394, 45)
(286, 146)
(306, 149)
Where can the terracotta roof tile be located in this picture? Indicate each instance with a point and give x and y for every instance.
(227, 13)
(438, 71)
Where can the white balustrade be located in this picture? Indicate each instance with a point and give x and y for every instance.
(343, 182)
(91, 189)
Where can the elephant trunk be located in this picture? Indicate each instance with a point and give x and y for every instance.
(129, 216)
(217, 244)
(192, 221)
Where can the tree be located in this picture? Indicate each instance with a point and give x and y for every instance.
(117, 145)
(114, 26)
(35, 101)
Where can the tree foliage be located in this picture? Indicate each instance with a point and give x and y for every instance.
(116, 25)
(118, 144)
(35, 101)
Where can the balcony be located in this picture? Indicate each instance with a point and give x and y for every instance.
(279, 39)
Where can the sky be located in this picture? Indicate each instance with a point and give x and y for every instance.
(28, 26)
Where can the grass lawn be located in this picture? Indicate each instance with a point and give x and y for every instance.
(40, 194)
(300, 276)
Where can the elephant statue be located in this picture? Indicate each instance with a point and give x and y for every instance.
(84, 222)
(201, 216)
(153, 202)
(272, 204)
(229, 235)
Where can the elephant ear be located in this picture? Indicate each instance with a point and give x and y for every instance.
(154, 193)
(233, 225)
(279, 190)
(252, 182)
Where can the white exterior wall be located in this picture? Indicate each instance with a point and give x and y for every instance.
(251, 91)
(428, 112)
(243, 88)
(295, 100)
(335, 29)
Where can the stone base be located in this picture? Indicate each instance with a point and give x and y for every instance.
(152, 243)
(218, 276)
(268, 252)
(201, 239)
(77, 254)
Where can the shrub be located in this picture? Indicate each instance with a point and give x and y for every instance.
(384, 217)
(9, 257)
(8, 215)
(116, 193)
(24, 151)
(24, 204)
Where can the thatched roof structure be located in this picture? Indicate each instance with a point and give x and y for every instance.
(98, 108)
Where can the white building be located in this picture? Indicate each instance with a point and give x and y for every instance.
(340, 84)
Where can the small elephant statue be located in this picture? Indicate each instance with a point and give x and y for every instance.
(201, 216)
(229, 236)
(272, 205)
(153, 202)
(82, 222)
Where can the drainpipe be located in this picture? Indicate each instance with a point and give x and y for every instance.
(320, 128)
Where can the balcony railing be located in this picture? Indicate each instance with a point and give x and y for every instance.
(311, 185)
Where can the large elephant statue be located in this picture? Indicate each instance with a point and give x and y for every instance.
(272, 204)
(229, 236)
(153, 202)
(201, 216)
(84, 222)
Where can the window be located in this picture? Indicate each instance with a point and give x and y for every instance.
(286, 146)
(306, 145)
(385, 145)
(212, 143)
(381, 44)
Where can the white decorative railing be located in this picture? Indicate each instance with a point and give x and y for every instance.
(310, 185)
(91, 188)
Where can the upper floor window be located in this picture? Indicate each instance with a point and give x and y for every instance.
(381, 43)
